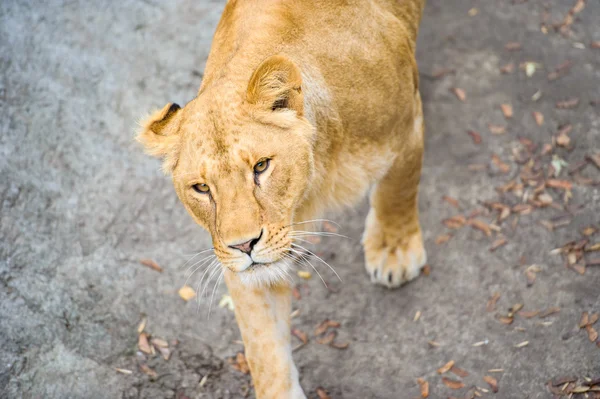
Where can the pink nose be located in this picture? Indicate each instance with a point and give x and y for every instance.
(246, 247)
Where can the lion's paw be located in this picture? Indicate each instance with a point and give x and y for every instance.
(393, 264)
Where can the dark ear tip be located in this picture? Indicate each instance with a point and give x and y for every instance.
(174, 107)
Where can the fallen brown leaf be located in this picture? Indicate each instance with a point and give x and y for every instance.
(507, 110)
(424, 387)
(335, 345)
(455, 222)
(595, 45)
(459, 372)
(505, 320)
(491, 304)
(442, 239)
(143, 343)
(151, 264)
(512, 46)
(451, 200)
(322, 393)
(528, 314)
(563, 140)
(328, 338)
(475, 136)
(568, 104)
(539, 118)
(496, 129)
(589, 231)
(497, 244)
(446, 367)
(593, 319)
(148, 371)
(594, 159)
(503, 167)
(240, 363)
(559, 184)
(459, 93)
(549, 311)
(585, 320)
(508, 68)
(481, 225)
(452, 384)
(301, 335)
(186, 293)
(325, 325)
(492, 382)
(592, 333)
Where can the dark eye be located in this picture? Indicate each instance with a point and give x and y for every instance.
(261, 166)
(201, 188)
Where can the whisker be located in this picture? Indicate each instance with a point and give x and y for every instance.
(200, 261)
(318, 257)
(301, 233)
(194, 256)
(213, 293)
(205, 262)
(209, 270)
(314, 221)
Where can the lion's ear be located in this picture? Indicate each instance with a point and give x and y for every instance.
(276, 84)
(159, 135)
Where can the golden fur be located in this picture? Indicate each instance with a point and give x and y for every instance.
(325, 95)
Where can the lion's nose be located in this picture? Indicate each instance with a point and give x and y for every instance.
(246, 247)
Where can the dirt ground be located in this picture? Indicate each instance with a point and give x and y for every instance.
(80, 205)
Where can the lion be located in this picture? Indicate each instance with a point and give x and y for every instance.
(304, 108)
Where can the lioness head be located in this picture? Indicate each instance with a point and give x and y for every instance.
(240, 156)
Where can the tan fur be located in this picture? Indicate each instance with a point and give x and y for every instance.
(328, 92)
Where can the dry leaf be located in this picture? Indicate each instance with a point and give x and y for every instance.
(143, 344)
(424, 387)
(151, 264)
(328, 338)
(568, 104)
(593, 319)
(512, 46)
(442, 239)
(335, 345)
(559, 184)
(301, 335)
(507, 110)
(549, 311)
(452, 201)
(508, 68)
(123, 371)
(148, 371)
(585, 320)
(322, 393)
(304, 274)
(592, 333)
(497, 244)
(595, 45)
(446, 367)
(505, 320)
(496, 129)
(325, 325)
(503, 167)
(455, 222)
(528, 314)
(452, 384)
(594, 159)
(186, 293)
(481, 225)
(491, 304)
(459, 372)
(522, 344)
(142, 325)
(459, 93)
(539, 118)
(475, 136)
(492, 382)
(589, 231)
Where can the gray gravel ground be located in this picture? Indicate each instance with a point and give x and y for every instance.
(80, 205)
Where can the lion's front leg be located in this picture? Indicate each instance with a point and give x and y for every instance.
(263, 316)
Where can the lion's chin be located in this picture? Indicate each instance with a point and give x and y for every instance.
(265, 274)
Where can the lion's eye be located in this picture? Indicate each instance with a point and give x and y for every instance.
(201, 188)
(261, 166)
